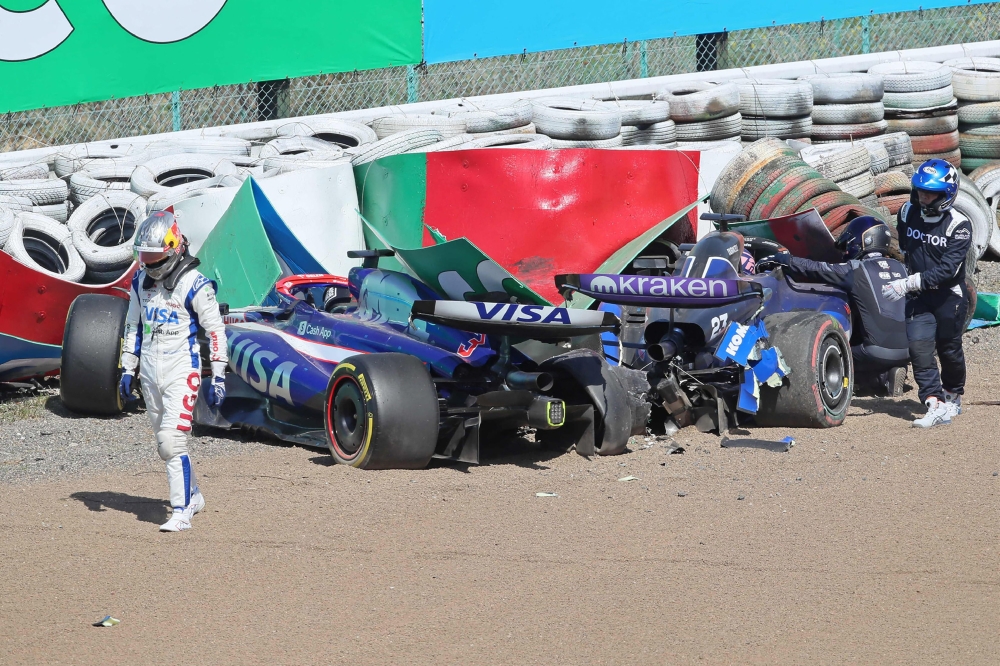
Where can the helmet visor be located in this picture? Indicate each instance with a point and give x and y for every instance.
(153, 258)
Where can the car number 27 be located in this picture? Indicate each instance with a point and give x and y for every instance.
(719, 325)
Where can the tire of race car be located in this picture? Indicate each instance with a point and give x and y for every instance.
(382, 412)
(952, 156)
(859, 186)
(775, 98)
(573, 119)
(848, 114)
(892, 182)
(710, 130)
(845, 88)
(591, 375)
(923, 126)
(103, 227)
(45, 245)
(918, 100)
(162, 173)
(839, 163)
(479, 117)
(637, 113)
(912, 76)
(751, 192)
(91, 348)
(793, 201)
(782, 185)
(697, 102)
(846, 132)
(343, 133)
(25, 172)
(935, 143)
(740, 169)
(814, 395)
(754, 128)
(987, 113)
(41, 191)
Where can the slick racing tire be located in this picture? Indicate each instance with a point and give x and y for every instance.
(92, 343)
(818, 391)
(382, 412)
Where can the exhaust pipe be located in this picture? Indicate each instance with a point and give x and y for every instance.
(529, 381)
(667, 347)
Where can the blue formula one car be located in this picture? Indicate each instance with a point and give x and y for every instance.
(386, 374)
(722, 349)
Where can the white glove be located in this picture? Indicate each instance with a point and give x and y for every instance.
(897, 289)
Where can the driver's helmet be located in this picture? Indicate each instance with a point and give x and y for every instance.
(940, 178)
(864, 235)
(747, 263)
(159, 244)
(717, 255)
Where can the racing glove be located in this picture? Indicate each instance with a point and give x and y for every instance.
(217, 389)
(125, 386)
(897, 289)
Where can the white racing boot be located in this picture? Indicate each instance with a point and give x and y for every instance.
(179, 521)
(938, 413)
(954, 402)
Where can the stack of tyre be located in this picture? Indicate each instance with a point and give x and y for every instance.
(775, 108)
(770, 179)
(647, 123)
(846, 106)
(919, 100)
(987, 179)
(892, 190)
(32, 190)
(848, 165)
(977, 87)
(703, 113)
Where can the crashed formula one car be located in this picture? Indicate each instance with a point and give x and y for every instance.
(387, 374)
(721, 348)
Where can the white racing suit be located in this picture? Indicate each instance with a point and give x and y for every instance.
(161, 330)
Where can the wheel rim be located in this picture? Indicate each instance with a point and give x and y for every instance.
(832, 372)
(346, 419)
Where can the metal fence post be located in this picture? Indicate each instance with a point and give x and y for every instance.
(412, 85)
(175, 109)
(643, 62)
(866, 34)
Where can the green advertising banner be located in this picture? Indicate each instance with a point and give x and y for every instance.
(63, 52)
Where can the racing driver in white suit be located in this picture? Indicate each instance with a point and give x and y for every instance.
(168, 301)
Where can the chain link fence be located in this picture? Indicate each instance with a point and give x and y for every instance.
(328, 93)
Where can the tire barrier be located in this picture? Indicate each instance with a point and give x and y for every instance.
(846, 106)
(775, 107)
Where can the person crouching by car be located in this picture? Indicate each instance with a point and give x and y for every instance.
(878, 340)
(935, 240)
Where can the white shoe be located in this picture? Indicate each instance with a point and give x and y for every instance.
(954, 402)
(197, 504)
(179, 521)
(938, 413)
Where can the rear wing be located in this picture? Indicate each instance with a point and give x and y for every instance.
(538, 322)
(658, 291)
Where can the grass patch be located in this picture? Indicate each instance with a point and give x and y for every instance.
(22, 405)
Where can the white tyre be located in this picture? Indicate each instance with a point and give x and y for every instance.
(980, 114)
(488, 117)
(925, 99)
(46, 246)
(976, 79)
(838, 161)
(785, 128)
(344, 133)
(862, 185)
(845, 88)
(848, 132)
(103, 228)
(275, 166)
(524, 141)
(775, 98)
(201, 145)
(897, 144)
(100, 176)
(58, 212)
(613, 142)
(41, 191)
(295, 145)
(572, 119)
(655, 134)
(924, 126)
(403, 142)
(389, 125)
(8, 218)
(848, 114)
(892, 182)
(173, 195)
(637, 113)
(451, 143)
(162, 173)
(25, 172)
(77, 157)
(697, 102)
(912, 76)
(711, 130)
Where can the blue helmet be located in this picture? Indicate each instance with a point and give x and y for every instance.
(864, 235)
(939, 177)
